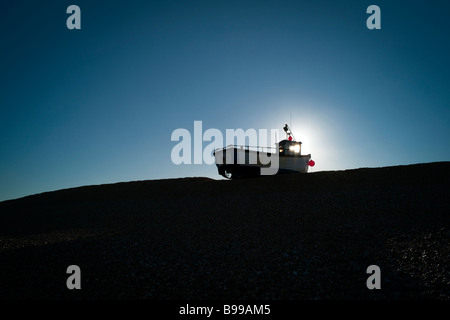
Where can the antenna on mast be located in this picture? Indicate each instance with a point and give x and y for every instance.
(290, 120)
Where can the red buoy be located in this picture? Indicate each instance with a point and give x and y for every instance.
(311, 163)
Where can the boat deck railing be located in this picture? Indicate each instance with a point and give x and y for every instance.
(249, 148)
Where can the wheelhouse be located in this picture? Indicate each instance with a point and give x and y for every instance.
(290, 148)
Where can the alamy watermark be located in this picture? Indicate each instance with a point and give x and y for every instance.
(74, 280)
(251, 147)
(74, 20)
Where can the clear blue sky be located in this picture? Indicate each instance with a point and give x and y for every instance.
(98, 105)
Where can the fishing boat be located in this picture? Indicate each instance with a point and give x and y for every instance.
(238, 161)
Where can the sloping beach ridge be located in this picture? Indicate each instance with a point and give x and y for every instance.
(297, 236)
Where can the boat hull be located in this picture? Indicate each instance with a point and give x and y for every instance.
(236, 162)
